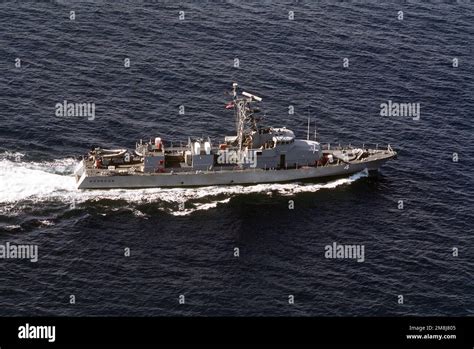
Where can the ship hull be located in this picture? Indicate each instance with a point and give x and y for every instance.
(212, 178)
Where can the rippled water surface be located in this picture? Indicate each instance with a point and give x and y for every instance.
(81, 236)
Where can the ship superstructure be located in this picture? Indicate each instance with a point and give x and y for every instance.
(255, 154)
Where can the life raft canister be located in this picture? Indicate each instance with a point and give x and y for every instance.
(158, 143)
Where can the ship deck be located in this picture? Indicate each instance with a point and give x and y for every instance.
(337, 151)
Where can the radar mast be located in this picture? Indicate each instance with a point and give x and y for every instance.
(244, 119)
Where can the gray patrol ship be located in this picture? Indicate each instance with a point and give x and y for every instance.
(255, 154)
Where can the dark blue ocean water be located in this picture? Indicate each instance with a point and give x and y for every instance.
(82, 236)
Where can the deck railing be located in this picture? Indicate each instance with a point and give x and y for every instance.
(338, 146)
